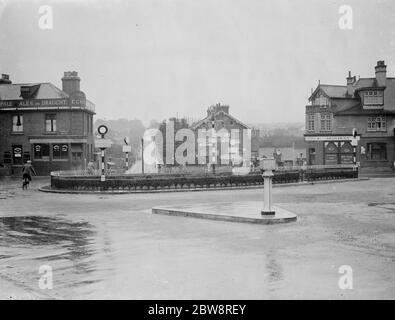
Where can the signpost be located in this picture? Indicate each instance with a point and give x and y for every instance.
(268, 165)
(103, 144)
(354, 143)
(127, 148)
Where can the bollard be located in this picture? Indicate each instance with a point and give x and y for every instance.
(267, 193)
(268, 165)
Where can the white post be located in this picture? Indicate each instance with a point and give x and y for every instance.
(267, 193)
(268, 165)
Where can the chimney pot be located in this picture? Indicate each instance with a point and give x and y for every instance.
(381, 73)
(5, 79)
(70, 82)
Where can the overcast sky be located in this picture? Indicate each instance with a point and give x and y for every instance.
(153, 59)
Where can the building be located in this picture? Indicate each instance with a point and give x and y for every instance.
(232, 144)
(364, 104)
(219, 118)
(52, 127)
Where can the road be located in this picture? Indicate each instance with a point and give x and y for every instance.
(112, 247)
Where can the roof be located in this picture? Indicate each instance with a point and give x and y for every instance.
(208, 117)
(365, 83)
(46, 91)
(333, 91)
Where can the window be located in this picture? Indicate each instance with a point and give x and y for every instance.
(377, 123)
(310, 122)
(60, 151)
(326, 122)
(17, 123)
(41, 151)
(320, 100)
(376, 151)
(7, 157)
(373, 97)
(50, 122)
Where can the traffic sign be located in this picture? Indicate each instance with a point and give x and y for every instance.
(103, 143)
(127, 149)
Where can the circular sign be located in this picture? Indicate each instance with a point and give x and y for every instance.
(102, 129)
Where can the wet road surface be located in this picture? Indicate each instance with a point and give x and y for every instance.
(111, 246)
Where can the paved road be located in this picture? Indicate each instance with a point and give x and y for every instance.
(110, 246)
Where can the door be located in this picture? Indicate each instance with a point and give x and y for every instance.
(17, 154)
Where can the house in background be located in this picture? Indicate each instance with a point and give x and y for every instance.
(366, 104)
(219, 118)
(52, 127)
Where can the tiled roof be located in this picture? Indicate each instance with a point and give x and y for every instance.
(45, 91)
(366, 83)
(199, 123)
(334, 91)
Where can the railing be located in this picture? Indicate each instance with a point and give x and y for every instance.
(82, 180)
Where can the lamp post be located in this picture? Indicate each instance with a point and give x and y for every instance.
(354, 143)
(102, 131)
(142, 155)
(214, 153)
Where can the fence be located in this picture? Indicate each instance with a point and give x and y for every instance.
(80, 180)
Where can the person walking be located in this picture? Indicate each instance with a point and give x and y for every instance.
(27, 172)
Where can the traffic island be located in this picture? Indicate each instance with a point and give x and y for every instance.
(243, 212)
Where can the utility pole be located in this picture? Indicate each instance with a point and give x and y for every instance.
(214, 153)
(142, 155)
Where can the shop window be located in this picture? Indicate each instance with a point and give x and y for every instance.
(50, 122)
(346, 153)
(60, 151)
(17, 123)
(41, 151)
(376, 151)
(331, 151)
(7, 157)
(76, 151)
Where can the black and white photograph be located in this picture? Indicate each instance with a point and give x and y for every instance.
(212, 152)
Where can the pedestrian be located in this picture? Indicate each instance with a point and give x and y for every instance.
(91, 168)
(27, 172)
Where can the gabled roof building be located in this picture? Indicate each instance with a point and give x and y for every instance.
(366, 105)
(52, 127)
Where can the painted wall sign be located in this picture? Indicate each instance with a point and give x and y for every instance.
(42, 103)
(331, 138)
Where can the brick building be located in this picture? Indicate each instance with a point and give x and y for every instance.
(42, 123)
(366, 104)
(238, 143)
(225, 151)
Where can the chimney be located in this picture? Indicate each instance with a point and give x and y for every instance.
(5, 79)
(70, 82)
(381, 73)
(350, 84)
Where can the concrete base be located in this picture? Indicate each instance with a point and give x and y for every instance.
(244, 211)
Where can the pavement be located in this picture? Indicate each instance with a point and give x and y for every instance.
(113, 247)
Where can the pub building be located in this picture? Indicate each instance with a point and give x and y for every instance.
(364, 104)
(52, 127)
